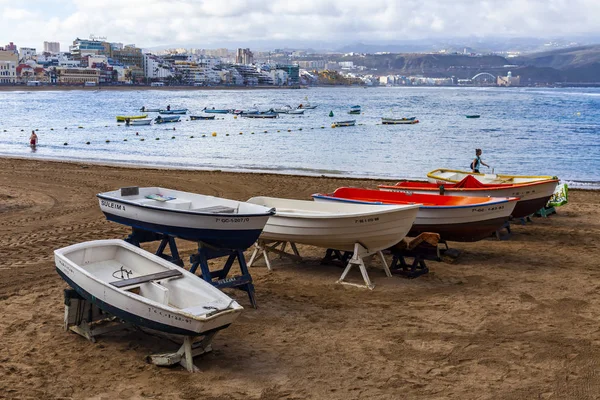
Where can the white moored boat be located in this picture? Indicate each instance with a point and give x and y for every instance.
(143, 289)
(336, 226)
(218, 222)
(455, 176)
(137, 122)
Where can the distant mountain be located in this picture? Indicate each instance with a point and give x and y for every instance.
(563, 59)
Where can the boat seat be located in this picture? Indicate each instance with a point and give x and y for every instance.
(177, 204)
(172, 273)
(216, 209)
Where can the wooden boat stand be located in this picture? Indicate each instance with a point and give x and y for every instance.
(262, 248)
(89, 321)
(217, 278)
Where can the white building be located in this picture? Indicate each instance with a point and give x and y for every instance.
(26, 53)
(155, 68)
(279, 77)
(52, 47)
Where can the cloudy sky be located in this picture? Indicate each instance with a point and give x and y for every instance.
(214, 23)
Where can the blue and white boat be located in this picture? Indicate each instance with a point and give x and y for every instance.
(171, 112)
(354, 110)
(215, 111)
(144, 289)
(218, 222)
(162, 120)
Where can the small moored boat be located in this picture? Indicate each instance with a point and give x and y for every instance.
(455, 218)
(218, 222)
(354, 110)
(201, 117)
(144, 109)
(298, 111)
(171, 112)
(215, 111)
(139, 122)
(473, 116)
(143, 289)
(123, 118)
(163, 120)
(260, 115)
(399, 121)
(344, 123)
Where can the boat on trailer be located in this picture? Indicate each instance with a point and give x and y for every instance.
(218, 222)
(163, 120)
(399, 121)
(344, 123)
(454, 218)
(201, 117)
(532, 196)
(143, 289)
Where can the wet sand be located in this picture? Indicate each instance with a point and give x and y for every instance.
(515, 319)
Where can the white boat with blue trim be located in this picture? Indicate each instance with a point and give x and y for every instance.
(143, 289)
(222, 223)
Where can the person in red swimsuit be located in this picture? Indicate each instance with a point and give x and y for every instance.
(33, 139)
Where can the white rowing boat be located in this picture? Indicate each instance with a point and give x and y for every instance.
(219, 222)
(143, 289)
(336, 226)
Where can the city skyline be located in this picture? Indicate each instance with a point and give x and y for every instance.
(244, 23)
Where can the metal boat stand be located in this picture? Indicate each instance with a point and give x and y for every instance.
(218, 278)
(262, 248)
(357, 258)
(138, 236)
(89, 321)
(205, 253)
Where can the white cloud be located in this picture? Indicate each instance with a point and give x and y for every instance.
(201, 23)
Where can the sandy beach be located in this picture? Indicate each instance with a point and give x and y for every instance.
(514, 319)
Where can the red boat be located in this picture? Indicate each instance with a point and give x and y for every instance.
(532, 196)
(455, 218)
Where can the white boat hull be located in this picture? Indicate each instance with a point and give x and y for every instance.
(188, 216)
(184, 306)
(139, 122)
(336, 226)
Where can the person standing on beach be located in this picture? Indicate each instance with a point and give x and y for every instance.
(477, 162)
(33, 139)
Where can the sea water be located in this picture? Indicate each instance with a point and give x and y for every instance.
(526, 131)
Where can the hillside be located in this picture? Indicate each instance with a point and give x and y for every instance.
(564, 59)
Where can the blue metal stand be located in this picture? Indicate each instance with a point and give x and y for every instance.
(138, 236)
(218, 278)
